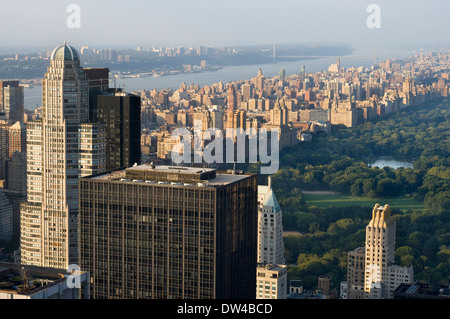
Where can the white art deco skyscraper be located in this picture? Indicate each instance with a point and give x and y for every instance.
(270, 227)
(61, 147)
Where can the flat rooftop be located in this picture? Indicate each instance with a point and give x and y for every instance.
(12, 278)
(174, 175)
(271, 267)
(424, 289)
(170, 169)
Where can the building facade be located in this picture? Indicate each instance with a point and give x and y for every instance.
(6, 218)
(381, 275)
(12, 101)
(270, 227)
(58, 153)
(121, 114)
(271, 281)
(356, 261)
(169, 232)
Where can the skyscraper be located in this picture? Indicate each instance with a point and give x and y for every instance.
(16, 183)
(6, 217)
(246, 91)
(355, 273)
(282, 75)
(270, 227)
(4, 147)
(98, 83)
(169, 232)
(371, 271)
(13, 166)
(12, 101)
(17, 138)
(259, 80)
(121, 114)
(60, 148)
(231, 98)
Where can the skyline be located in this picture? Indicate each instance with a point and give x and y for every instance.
(37, 26)
(135, 158)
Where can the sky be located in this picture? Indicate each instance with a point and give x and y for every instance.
(41, 25)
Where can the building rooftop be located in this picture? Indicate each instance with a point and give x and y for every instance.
(12, 278)
(422, 290)
(65, 52)
(271, 267)
(173, 175)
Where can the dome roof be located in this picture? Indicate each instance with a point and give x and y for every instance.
(65, 52)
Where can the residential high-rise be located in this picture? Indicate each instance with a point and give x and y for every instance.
(169, 232)
(13, 166)
(16, 183)
(355, 273)
(236, 119)
(259, 80)
(380, 251)
(121, 114)
(60, 148)
(17, 138)
(270, 227)
(232, 98)
(377, 274)
(382, 276)
(12, 101)
(4, 147)
(246, 91)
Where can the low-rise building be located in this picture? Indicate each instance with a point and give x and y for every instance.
(32, 282)
(271, 281)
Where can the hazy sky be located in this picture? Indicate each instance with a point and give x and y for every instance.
(41, 25)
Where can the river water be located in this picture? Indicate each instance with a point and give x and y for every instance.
(390, 162)
(33, 96)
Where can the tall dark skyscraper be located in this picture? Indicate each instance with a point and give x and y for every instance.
(11, 101)
(121, 113)
(98, 83)
(169, 232)
(232, 98)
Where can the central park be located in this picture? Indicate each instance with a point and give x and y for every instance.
(327, 191)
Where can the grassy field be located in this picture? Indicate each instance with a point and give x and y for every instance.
(338, 200)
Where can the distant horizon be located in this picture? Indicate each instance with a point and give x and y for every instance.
(411, 47)
(42, 25)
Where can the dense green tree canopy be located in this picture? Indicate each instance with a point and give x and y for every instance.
(339, 163)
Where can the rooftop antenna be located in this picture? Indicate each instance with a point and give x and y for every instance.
(26, 284)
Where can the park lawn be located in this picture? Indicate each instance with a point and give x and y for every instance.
(338, 200)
